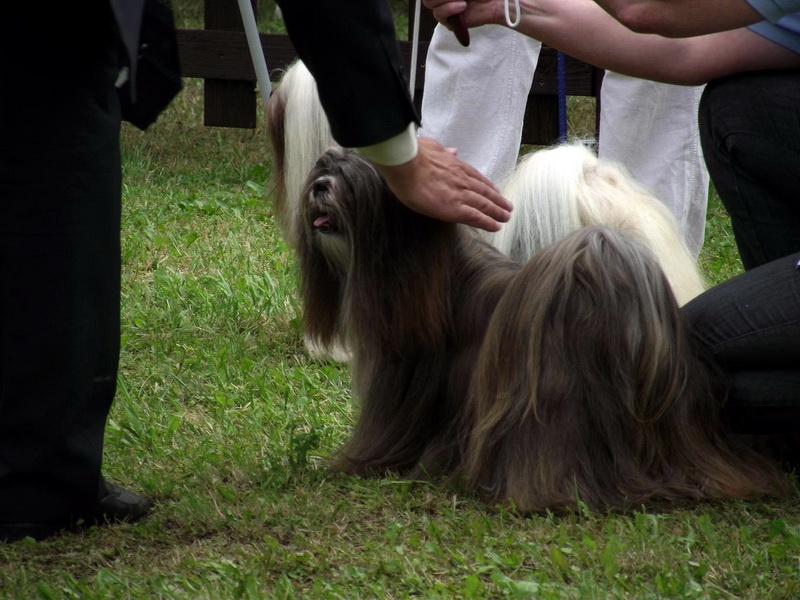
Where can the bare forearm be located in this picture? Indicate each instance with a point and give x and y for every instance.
(582, 29)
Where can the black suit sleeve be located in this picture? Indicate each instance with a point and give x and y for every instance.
(351, 48)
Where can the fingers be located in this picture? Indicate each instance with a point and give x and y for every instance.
(437, 184)
(494, 205)
(487, 198)
(472, 14)
(472, 197)
(486, 210)
(470, 202)
(444, 9)
(478, 220)
(459, 27)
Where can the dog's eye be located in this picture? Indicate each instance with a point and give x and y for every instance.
(321, 186)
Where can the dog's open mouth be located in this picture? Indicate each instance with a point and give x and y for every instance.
(323, 221)
(321, 218)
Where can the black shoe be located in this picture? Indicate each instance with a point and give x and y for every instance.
(14, 532)
(116, 505)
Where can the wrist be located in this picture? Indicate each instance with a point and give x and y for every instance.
(397, 150)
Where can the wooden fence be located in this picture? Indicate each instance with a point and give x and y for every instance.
(219, 55)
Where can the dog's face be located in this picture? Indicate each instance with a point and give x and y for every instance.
(325, 226)
(367, 257)
(344, 208)
(338, 235)
(341, 192)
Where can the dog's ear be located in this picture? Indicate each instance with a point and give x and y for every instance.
(322, 290)
(400, 283)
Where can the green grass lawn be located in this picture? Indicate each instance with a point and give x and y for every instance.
(224, 420)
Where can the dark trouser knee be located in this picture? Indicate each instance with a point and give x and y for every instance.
(750, 134)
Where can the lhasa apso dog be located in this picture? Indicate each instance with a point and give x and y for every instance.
(554, 191)
(570, 378)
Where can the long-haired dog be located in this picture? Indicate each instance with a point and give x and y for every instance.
(554, 191)
(299, 133)
(571, 378)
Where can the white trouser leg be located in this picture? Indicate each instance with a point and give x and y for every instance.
(651, 128)
(475, 97)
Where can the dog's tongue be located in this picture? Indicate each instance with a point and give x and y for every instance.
(323, 221)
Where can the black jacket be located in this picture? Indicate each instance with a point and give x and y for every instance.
(147, 32)
(351, 48)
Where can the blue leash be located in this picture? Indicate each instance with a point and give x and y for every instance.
(561, 72)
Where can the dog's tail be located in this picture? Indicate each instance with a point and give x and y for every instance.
(299, 133)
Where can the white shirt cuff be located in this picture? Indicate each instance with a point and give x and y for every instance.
(394, 151)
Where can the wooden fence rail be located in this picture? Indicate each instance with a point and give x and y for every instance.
(219, 55)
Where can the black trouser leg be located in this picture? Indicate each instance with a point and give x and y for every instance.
(750, 134)
(751, 326)
(59, 262)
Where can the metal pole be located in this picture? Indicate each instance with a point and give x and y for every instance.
(256, 52)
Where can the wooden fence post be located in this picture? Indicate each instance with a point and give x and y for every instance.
(227, 103)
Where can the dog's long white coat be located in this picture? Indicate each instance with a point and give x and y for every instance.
(557, 190)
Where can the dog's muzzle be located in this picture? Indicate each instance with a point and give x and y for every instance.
(320, 214)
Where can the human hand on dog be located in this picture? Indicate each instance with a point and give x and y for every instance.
(436, 183)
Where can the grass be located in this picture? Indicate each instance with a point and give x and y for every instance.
(224, 420)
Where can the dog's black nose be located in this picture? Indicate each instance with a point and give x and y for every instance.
(321, 186)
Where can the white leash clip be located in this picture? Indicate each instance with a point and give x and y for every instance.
(517, 16)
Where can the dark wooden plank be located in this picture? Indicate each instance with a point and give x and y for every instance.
(228, 103)
(219, 54)
(581, 78)
(223, 15)
(224, 55)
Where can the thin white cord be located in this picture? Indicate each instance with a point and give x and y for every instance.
(256, 52)
(412, 78)
(517, 16)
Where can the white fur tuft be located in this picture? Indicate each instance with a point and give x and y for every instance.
(559, 189)
(307, 134)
